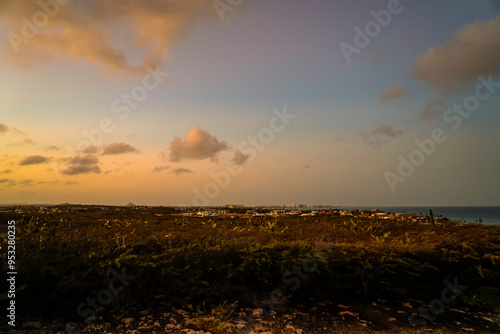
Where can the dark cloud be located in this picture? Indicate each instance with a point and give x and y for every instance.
(198, 144)
(33, 160)
(6, 171)
(119, 148)
(179, 171)
(82, 165)
(4, 180)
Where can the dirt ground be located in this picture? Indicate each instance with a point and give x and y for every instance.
(317, 317)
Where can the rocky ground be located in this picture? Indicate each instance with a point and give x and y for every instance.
(377, 317)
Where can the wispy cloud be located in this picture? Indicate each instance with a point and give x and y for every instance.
(28, 141)
(26, 183)
(48, 182)
(392, 93)
(240, 158)
(158, 169)
(432, 108)
(339, 138)
(52, 148)
(4, 129)
(380, 135)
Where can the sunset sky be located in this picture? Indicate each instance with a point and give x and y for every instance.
(266, 102)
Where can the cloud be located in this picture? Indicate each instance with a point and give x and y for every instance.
(118, 148)
(240, 158)
(433, 107)
(91, 30)
(380, 135)
(163, 156)
(17, 132)
(33, 160)
(197, 145)
(3, 128)
(339, 138)
(25, 141)
(179, 171)
(6, 171)
(26, 183)
(52, 148)
(392, 94)
(91, 149)
(82, 165)
(158, 169)
(7, 182)
(307, 166)
(48, 182)
(70, 183)
(472, 52)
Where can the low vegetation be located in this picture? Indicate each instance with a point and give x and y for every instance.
(63, 258)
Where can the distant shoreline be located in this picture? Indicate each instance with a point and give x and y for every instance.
(487, 215)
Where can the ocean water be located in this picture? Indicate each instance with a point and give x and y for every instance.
(490, 215)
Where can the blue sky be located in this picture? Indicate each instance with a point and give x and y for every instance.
(225, 78)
